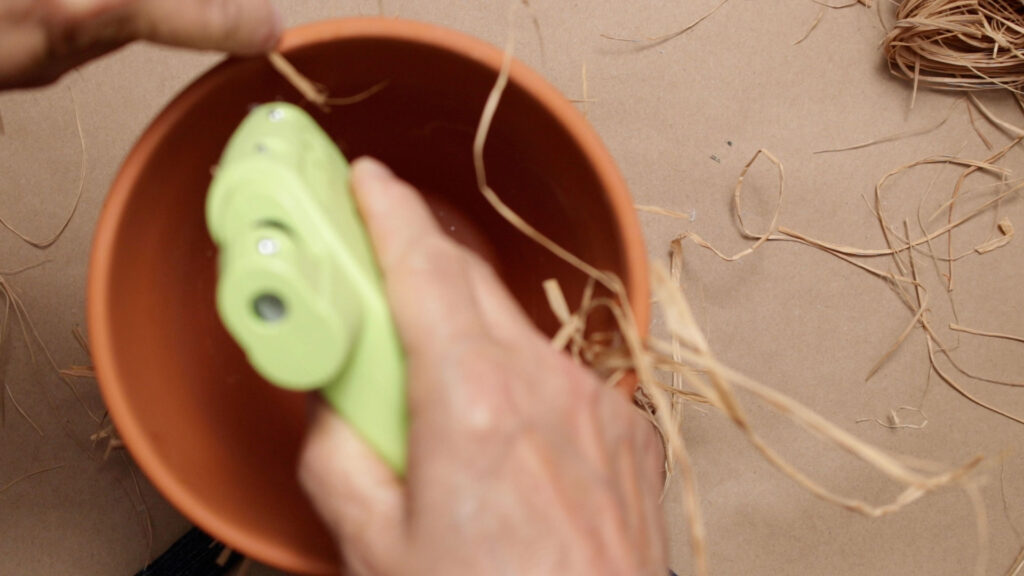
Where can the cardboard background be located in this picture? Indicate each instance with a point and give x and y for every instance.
(797, 319)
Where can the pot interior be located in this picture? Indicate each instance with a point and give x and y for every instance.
(228, 440)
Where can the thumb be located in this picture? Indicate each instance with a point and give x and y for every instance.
(237, 26)
(419, 263)
(356, 495)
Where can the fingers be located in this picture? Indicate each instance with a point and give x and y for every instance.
(356, 494)
(502, 313)
(432, 282)
(40, 41)
(647, 478)
(22, 49)
(651, 473)
(243, 27)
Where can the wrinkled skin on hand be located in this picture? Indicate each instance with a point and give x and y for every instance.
(521, 462)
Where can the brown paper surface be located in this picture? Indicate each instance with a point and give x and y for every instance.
(681, 118)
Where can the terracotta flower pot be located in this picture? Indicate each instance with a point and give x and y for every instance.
(217, 441)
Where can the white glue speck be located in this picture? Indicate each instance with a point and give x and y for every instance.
(267, 246)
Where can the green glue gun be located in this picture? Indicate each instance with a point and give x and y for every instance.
(298, 287)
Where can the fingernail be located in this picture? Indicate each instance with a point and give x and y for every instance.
(371, 168)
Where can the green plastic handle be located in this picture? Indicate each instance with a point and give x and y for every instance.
(298, 286)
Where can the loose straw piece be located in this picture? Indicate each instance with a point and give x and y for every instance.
(974, 126)
(759, 239)
(108, 433)
(959, 328)
(24, 477)
(656, 40)
(1011, 129)
(661, 211)
(8, 303)
(560, 308)
(895, 423)
(1017, 568)
(82, 341)
(79, 372)
(1006, 230)
(881, 19)
(955, 195)
(556, 299)
(310, 90)
(479, 141)
(28, 327)
(932, 341)
(913, 321)
(849, 4)
(536, 29)
(896, 345)
(931, 247)
(358, 97)
(20, 410)
(898, 136)
(817, 20)
(46, 243)
(316, 93)
(586, 92)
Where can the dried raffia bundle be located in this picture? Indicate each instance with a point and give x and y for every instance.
(958, 44)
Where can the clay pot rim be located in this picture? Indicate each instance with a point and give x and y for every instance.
(238, 536)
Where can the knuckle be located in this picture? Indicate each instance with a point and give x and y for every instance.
(577, 381)
(433, 255)
(482, 400)
(479, 266)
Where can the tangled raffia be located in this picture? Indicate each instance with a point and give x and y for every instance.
(959, 44)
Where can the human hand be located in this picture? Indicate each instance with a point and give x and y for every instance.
(42, 39)
(521, 462)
